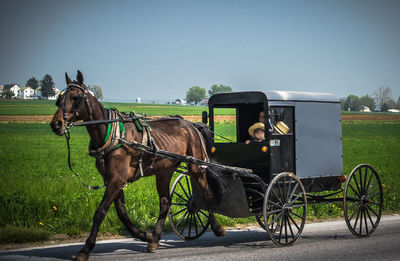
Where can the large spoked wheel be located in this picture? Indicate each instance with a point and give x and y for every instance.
(363, 200)
(285, 207)
(188, 221)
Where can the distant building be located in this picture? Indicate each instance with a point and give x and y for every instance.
(204, 102)
(25, 93)
(365, 109)
(15, 90)
(181, 101)
(138, 100)
(56, 91)
(394, 110)
(1, 89)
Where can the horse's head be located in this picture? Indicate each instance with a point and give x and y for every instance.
(73, 104)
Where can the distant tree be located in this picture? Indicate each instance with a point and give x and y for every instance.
(342, 101)
(97, 91)
(33, 83)
(382, 96)
(398, 103)
(352, 102)
(195, 94)
(219, 88)
(368, 101)
(47, 85)
(391, 103)
(8, 86)
(8, 94)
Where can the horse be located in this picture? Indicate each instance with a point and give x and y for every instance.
(120, 165)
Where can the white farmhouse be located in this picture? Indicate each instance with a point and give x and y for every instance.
(25, 93)
(56, 91)
(365, 109)
(15, 90)
(38, 93)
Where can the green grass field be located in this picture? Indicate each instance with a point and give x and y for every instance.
(39, 196)
(44, 107)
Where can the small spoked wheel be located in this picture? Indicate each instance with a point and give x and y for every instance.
(363, 200)
(284, 210)
(188, 221)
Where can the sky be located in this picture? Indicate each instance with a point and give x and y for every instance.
(157, 50)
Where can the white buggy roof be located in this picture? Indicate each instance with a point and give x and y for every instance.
(301, 96)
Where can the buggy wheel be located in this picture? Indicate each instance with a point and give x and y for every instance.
(188, 221)
(284, 210)
(260, 221)
(363, 200)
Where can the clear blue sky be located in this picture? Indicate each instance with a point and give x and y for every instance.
(158, 49)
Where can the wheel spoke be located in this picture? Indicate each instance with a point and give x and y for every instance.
(181, 196)
(375, 203)
(276, 196)
(298, 206)
(190, 223)
(294, 222)
(354, 213)
(180, 220)
(294, 200)
(365, 221)
(195, 224)
(365, 180)
(179, 204)
(352, 205)
(274, 203)
(290, 185)
(284, 188)
(277, 216)
(361, 182)
(180, 211)
(280, 230)
(358, 187)
(188, 185)
(201, 211)
(286, 241)
(370, 219)
(373, 186)
(274, 212)
(354, 190)
(361, 220)
(280, 194)
(369, 180)
(297, 215)
(290, 227)
(372, 211)
(373, 195)
(358, 213)
(294, 190)
(184, 191)
(201, 222)
(185, 224)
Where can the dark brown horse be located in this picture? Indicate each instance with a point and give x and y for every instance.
(120, 165)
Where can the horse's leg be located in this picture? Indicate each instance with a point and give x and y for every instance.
(109, 195)
(162, 182)
(123, 216)
(201, 180)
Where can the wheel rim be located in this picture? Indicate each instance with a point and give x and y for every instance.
(363, 200)
(285, 208)
(188, 221)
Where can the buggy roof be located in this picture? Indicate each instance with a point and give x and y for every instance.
(258, 96)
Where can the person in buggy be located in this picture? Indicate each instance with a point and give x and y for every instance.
(257, 132)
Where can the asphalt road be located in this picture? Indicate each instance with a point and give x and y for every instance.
(319, 241)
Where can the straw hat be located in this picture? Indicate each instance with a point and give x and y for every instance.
(254, 127)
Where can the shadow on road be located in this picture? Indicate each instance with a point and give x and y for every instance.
(236, 239)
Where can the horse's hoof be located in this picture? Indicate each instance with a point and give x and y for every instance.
(81, 257)
(218, 231)
(151, 247)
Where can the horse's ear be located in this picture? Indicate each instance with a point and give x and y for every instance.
(67, 79)
(79, 77)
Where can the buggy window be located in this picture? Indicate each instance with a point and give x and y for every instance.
(282, 120)
(225, 127)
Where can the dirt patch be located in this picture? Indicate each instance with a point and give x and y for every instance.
(195, 118)
(371, 117)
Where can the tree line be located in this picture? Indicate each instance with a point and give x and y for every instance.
(196, 94)
(383, 101)
(47, 87)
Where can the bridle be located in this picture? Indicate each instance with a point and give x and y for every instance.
(68, 124)
(83, 97)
